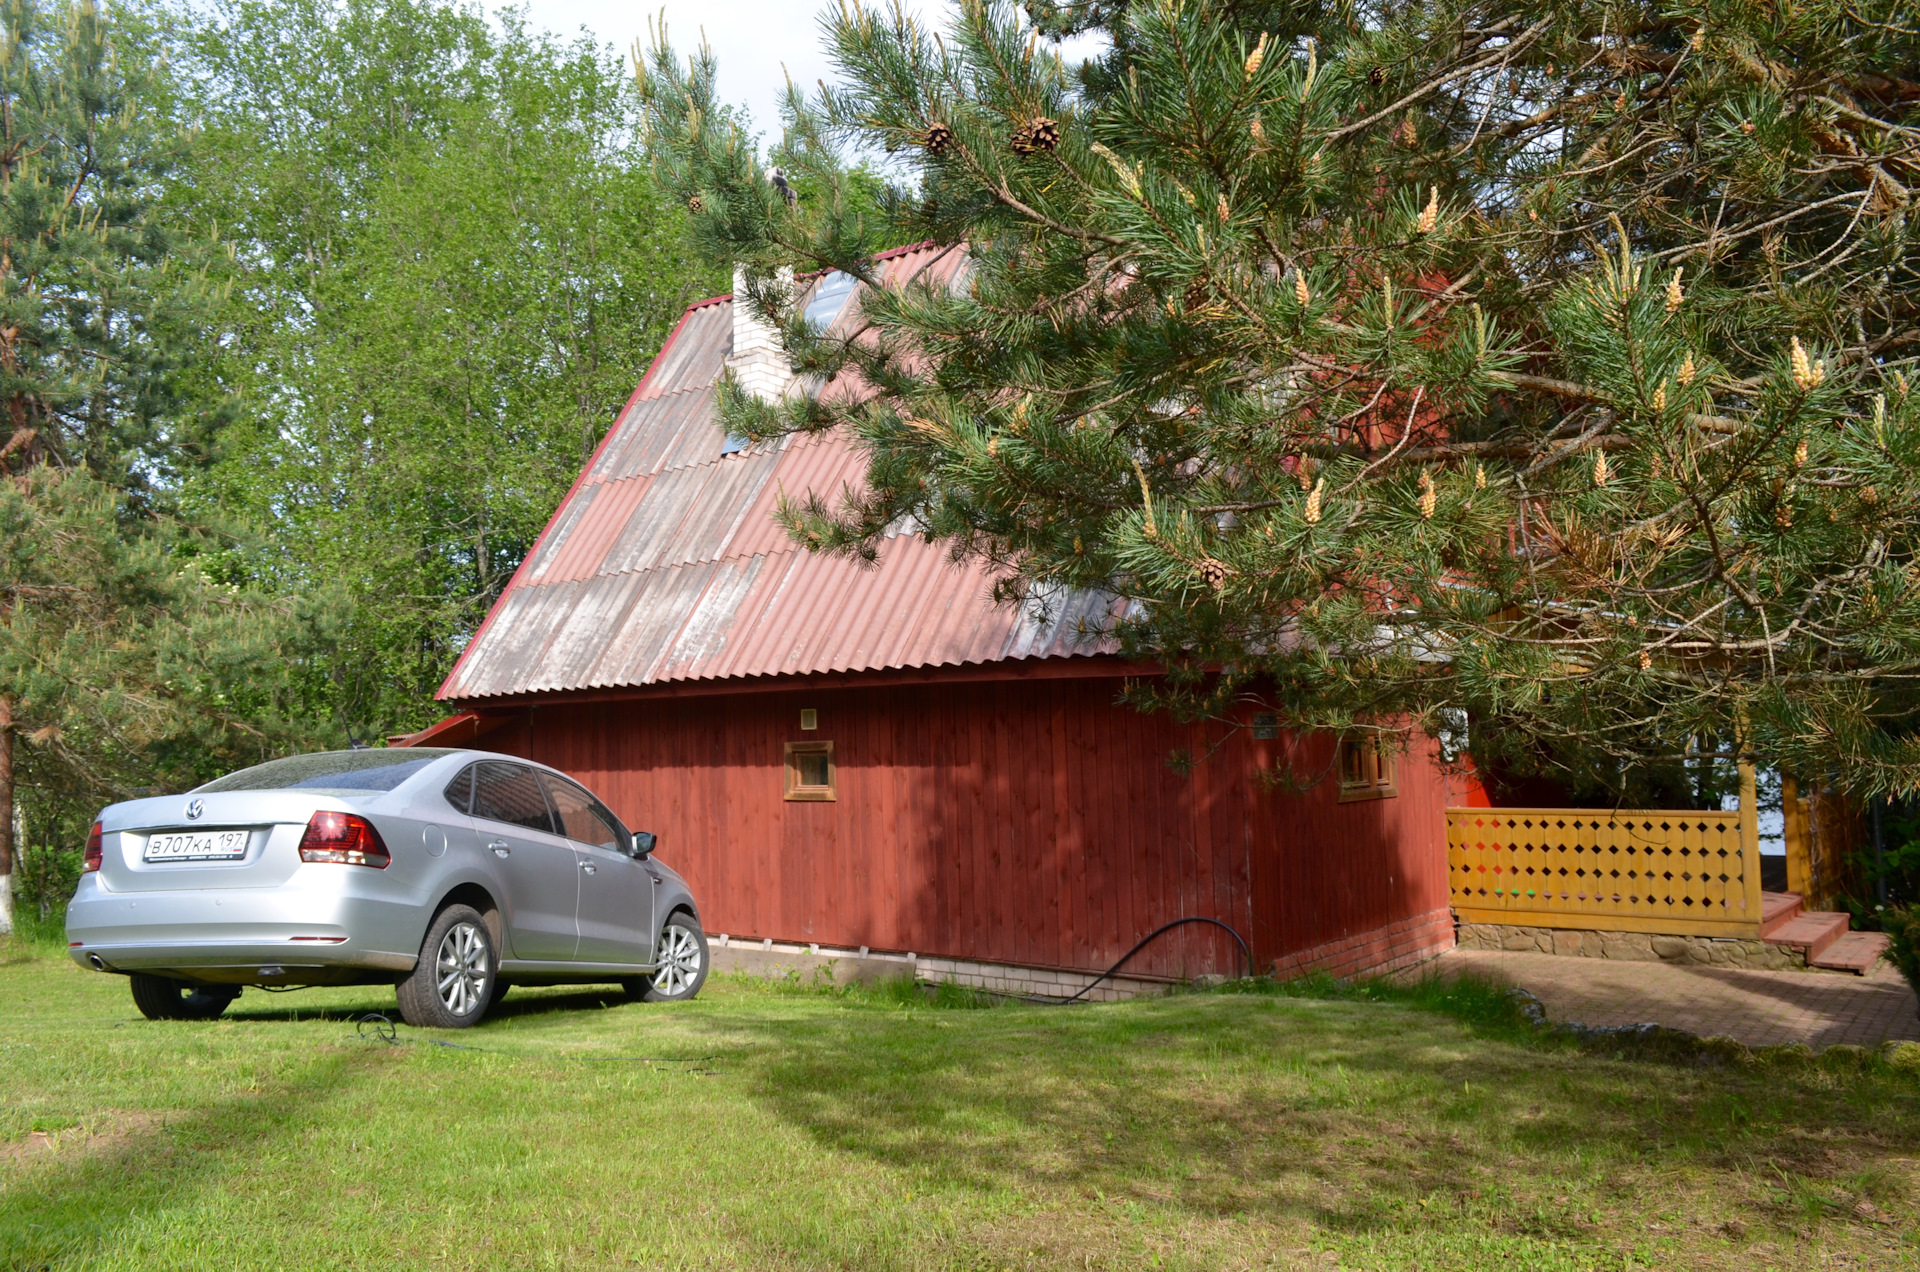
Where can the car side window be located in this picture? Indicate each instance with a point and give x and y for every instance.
(510, 793)
(460, 790)
(582, 815)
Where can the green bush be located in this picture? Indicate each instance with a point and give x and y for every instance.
(45, 879)
(1902, 923)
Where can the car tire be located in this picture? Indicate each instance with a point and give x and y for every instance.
(683, 960)
(452, 984)
(164, 998)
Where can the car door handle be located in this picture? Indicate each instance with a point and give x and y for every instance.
(589, 867)
(500, 848)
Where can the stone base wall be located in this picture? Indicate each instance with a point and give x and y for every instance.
(1638, 947)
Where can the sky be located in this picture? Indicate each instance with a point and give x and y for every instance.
(753, 39)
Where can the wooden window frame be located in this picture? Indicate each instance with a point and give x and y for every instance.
(1378, 776)
(811, 794)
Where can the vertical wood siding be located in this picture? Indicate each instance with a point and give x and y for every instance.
(1034, 823)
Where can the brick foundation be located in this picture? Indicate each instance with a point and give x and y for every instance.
(1377, 952)
(781, 960)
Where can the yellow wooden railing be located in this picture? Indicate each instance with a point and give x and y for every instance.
(1685, 873)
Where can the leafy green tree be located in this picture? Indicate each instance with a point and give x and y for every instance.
(113, 649)
(126, 668)
(1549, 363)
(450, 267)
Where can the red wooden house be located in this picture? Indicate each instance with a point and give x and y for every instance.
(881, 756)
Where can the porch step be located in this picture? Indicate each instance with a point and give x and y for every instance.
(1855, 952)
(1777, 909)
(1812, 931)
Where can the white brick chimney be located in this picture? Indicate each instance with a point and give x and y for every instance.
(758, 363)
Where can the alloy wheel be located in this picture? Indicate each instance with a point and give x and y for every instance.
(461, 968)
(679, 961)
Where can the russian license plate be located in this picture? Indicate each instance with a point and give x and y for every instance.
(198, 845)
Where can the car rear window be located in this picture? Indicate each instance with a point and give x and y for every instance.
(367, 770)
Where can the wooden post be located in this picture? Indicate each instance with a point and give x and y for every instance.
(1799, 839)
(1750, 836)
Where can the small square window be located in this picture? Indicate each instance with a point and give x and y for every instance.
(1266, 726)
(1365, 771)
(810, 771)
(809, 719)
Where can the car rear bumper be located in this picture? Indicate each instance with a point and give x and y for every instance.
(269, 936)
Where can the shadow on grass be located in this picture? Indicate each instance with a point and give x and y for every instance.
(1341, 1104)
(69, 1208)
(528, 1001)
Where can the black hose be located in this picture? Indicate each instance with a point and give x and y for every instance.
(1145, 940)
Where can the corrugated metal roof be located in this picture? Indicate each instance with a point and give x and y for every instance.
(664, 563)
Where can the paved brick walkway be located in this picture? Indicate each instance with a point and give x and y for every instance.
(1757, 1008)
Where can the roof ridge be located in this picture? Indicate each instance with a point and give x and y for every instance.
(889, 254)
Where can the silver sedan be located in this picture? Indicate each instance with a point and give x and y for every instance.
(448, 874)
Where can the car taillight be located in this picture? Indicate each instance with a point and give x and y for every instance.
(344, 839)
(92, 860)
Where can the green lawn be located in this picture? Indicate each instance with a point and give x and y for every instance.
(769, 1127)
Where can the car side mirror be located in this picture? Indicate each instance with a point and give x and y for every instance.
(643, 842)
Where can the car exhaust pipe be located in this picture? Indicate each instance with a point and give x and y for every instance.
(99, 964)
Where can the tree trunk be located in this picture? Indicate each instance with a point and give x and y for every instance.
(6, 814)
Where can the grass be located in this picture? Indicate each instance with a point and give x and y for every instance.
(788, 1127)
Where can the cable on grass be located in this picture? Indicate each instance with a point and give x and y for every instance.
(1144, 941)
(384, 1030)
(1148, 939)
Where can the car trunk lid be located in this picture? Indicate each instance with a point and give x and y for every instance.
(236, 839)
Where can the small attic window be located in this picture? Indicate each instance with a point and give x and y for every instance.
(829, 298)
(810, 771)
(1365, 771)
(734, 444)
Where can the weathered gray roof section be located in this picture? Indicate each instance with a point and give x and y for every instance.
(664, 563)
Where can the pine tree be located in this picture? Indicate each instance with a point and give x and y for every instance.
(1546, 363)
(120, 662)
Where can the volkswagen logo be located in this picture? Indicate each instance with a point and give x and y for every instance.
(195, 807)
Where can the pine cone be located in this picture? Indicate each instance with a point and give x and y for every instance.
(696, 204)
(1213, 573)
(1376, 75)
(938, 139)
(1037, 134)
